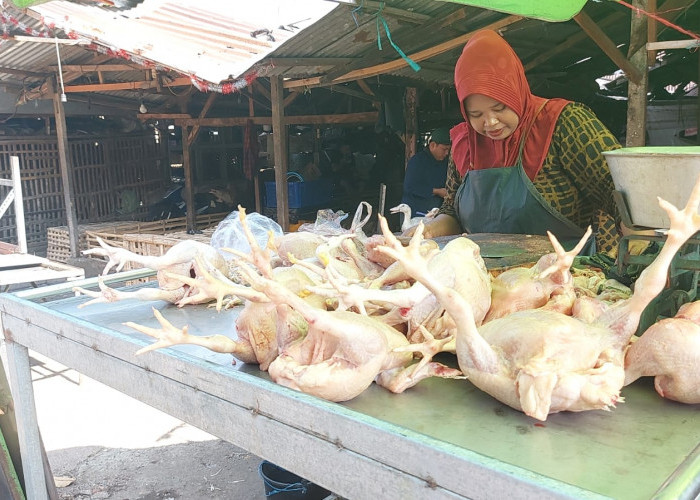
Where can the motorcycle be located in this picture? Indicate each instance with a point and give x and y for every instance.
(173, 205)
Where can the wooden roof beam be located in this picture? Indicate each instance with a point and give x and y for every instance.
(673, 44)
(341, 89)
(670, 10)
(205, 109)
(400, 63)
(365, 88)
(375, 58)
(347, 118)
(262, 89)
(69, 76)
(21, 72)
(402, 14)
(107, 87)
(94, 68)
(607, 45)
(289, 62)
(291, 97)
(162, 116)
(571, 41)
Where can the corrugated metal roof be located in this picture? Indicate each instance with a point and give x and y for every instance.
(209, 39)
(412, 25)
(340, 38)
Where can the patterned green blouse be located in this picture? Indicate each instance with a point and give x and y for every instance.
(574, 177)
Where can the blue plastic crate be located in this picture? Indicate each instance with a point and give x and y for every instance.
(301, 194)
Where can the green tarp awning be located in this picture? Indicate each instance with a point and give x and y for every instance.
(547, 10)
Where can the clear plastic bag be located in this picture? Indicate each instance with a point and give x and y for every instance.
(327, 223)
(229, 233)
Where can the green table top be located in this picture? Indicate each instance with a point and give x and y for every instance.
(626, 453)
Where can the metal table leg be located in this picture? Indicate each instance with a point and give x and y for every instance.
(27, 425)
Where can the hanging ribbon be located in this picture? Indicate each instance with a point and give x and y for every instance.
(380, 18)
(357, 9)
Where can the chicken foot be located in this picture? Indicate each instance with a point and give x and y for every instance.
(108, 295)
(484, 357)
(399, 379)
(168, 335)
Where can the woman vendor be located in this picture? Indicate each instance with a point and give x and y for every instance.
(522, 164)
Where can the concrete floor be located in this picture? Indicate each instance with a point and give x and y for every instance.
(115, 447)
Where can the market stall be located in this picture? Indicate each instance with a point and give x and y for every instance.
(440, 439)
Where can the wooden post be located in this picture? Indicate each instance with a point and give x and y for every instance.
(652, 32)
(251, 101)
(637, 92)
(66, 178)
(189, 184)
(318, 145)
(280, 139)
(411, 114)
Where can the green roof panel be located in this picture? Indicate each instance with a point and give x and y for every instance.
(547, 10)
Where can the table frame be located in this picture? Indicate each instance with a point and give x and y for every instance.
(350, 453)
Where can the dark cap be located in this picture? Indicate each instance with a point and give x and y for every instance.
(441, 136)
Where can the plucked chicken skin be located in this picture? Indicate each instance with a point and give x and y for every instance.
(177, 263)
(669, 351)
(548, 280)
(343, 352)
(541, 361)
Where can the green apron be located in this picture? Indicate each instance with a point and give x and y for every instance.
(504, 200)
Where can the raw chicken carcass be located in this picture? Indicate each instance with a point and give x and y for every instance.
(344, 352)
(523, 288)
(458, 265)
(262, 326)
(177, 263)
(543, 362)
(669, 351)
(300, 244)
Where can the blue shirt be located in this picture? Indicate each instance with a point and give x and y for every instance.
(423, 173)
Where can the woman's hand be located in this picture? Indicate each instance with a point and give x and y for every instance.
(442, 225)
(441, 192)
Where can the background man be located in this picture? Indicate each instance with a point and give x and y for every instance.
(424, 184)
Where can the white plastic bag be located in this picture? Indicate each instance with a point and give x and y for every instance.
(229, 233)
(327, 223)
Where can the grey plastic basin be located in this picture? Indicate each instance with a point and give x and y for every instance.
(644, 173)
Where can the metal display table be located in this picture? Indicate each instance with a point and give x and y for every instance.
(20, 268)
(443, 439)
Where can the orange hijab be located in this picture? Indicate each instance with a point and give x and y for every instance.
(489, 66)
